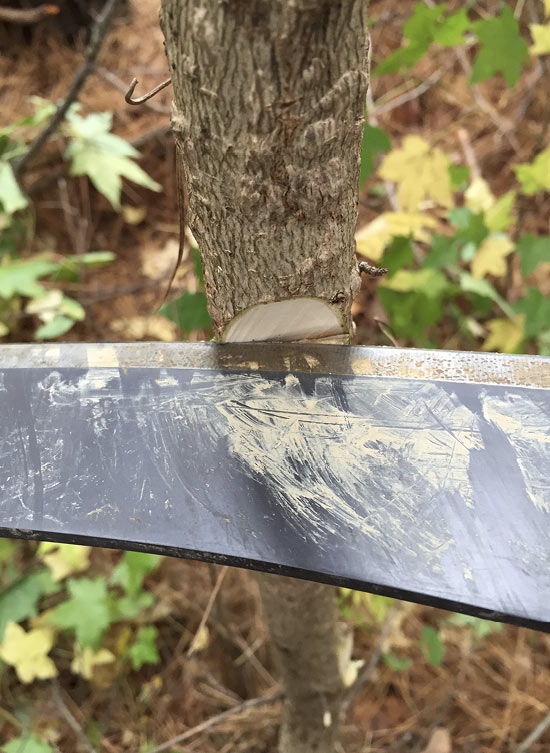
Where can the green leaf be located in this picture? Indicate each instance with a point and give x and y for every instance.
(19, 601)
(502, 48)
(543, 342)
(20, 277)
(536, 308)
(397, 255)
(132, 569)
(450, 32)
(499, 217)
(54, 328)
(397, 662)
(426, 25)
(70, 266)
(459, 175)
(188, 311)
(26, 743)
(104, 157)
(129, 607)
(443, 252)
(484, 289)
(197, 261)
(86, 611)
(11, 197)
(413, 300)
(480, 628)
(144, 650)
(535, 176)
(533, 250)
(375, 141)
(431, 645)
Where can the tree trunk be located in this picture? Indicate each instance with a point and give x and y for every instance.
(269, 100)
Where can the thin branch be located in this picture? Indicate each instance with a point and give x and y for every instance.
(119, 84)
(531, 738)
(253, 703)
(98, 35)
(206, 614)
(71, 721)
(28, 16)
(418, 91)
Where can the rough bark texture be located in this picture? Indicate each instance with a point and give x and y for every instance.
(268, 114)
(305, 640)
(269, 105)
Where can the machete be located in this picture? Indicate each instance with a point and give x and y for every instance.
(423, 475)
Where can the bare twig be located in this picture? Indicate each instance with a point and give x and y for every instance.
(28, 16)
(208, 609)
(99, 32)
(418, 91)
(253, 703)
(71, 721)
(119, 84)
(131, 100)
(533, 736)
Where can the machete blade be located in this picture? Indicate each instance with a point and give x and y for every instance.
(423, 475)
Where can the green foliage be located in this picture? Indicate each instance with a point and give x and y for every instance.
(533, 250)
(425, 27)
(20, 600)
(480, 628)
(86, 611)
(27, 743)
(399, 663)
(144, 649)
(105, 158)
(432, 645)
(375, 141)
(535, 176)
(189, 310)
(132, 569)
(503, 50)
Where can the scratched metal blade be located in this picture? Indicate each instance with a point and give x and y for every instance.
(419, 474)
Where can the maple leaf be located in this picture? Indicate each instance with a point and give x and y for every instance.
(536, 308)
(85, 659)
(64, 559)
(502, 48)
(478, 196)
(535, 176)
(541, 39)
(86, 612)
(419, 172)
(372, 239)
(490, 257)
(27, 652)
(143, 650)
(533, 250)
(26, 743)
(505, 335)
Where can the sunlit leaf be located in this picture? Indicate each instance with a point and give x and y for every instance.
(188, 311)
(499, 216)
(54, 328)
(535, 176)
(20, 277)
(86, 659)
(132, 569)
(27, 652)
(505, 335)
(420, 172)
(26, 743)
(64, 559)
(373, 238)
(12, 198)
(541, 39)
(491, 257)
(478, 196)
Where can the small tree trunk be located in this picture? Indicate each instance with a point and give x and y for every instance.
(269, 99)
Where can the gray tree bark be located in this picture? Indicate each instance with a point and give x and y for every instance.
(269, 100)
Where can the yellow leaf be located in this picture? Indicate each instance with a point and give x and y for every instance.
(85, 659)
(490, 257)
(499, 217)
(154, 327)
(372, 239)
(478, 196)
(27, 652)
(419, 172)
(505, 335)
(546, 8)
(541, 39)
(64, 559)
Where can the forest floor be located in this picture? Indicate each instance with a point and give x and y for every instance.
(489, 693)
